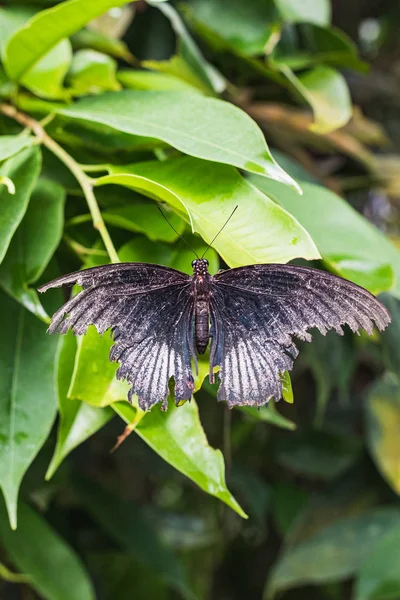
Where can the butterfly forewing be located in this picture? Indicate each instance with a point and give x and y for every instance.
(255, 312)
(150, 310)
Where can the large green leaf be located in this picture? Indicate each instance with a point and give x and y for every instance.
(23, 170)
(326, 91)
(379, 575)
(309, 11)
(130, 527)
(349, 244)
(202, 127)
(12, 144)
(178, 437)
(383, 426)
(46, 29)
(38, 551)
(33, 245)
(206, 194)
(334, 553)
(28, 397)
(78, 420)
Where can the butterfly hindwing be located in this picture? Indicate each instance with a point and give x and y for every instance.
(150, 311)
(255, 312)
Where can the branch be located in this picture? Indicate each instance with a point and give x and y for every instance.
(84, 181)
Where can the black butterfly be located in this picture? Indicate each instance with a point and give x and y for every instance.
(160, 317)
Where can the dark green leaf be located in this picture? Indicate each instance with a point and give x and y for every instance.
(335, 553)
(244, 27)
(78, 420)
(391, 336)
(379, 575)
(33, 245)
(28, 406)
(23, 169)
(319, 455)
(37, 550)
(201, 73)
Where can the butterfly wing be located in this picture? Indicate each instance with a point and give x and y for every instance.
(150, 311)
(255, 312)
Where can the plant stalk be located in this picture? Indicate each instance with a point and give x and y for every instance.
(84, 181)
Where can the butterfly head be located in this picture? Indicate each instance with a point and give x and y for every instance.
(200, 266)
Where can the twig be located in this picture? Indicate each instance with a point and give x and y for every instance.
(84, 181)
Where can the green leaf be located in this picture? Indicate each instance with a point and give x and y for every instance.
(326, 91)
(33, 245)
(189, 58)
(23, 169)
(130, 527)
(93, 379)
(318, 455)
(206, 194)
(244, 27)
(333, 554)
(78, 420)
(46, 76)
(46, 29)
(339, 231)
(203, 127)
(379, 575)
(133, 79)
(309, 11)
(315, 45)
(391, 336)
(383, 426)
(28, 405)
(12, 144)
(92, 72)
(94, 40)
(178, 437)
(37, 550)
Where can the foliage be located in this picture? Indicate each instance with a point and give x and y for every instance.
(106, 108)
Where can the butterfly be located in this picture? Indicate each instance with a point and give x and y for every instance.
(160, 317)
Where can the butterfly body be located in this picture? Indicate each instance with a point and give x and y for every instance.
(160, 317)
(201, 292)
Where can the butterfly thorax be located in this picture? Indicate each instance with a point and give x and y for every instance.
(201, 292)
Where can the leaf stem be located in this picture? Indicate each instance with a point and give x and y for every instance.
(84, 181)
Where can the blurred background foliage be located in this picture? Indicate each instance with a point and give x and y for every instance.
(121, 98)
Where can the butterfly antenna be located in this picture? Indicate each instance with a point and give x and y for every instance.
(215, 236)
(177, 232)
